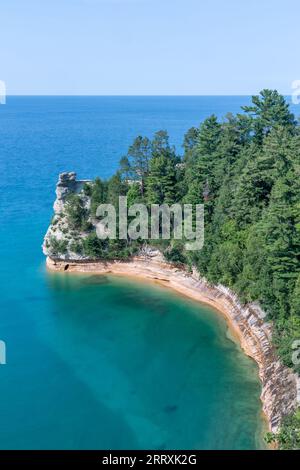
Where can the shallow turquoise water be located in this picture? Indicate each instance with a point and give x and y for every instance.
(117, 364)
(103, 363)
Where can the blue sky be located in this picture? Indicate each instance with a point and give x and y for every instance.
(149, 47)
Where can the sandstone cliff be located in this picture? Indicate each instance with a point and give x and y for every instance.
(60, 240)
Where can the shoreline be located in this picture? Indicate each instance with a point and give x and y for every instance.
(280, 386)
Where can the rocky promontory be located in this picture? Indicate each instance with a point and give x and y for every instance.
(280, 386)
(61, 240)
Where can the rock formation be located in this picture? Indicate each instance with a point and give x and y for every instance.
(280, 386)
(59, 233)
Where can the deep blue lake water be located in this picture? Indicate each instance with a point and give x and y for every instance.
(105, 363)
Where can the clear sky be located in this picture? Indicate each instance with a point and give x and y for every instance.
(149, 47)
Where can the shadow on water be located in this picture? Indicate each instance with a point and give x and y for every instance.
(54, 409)
(95, 280)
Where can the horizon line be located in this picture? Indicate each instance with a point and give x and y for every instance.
(132, 96)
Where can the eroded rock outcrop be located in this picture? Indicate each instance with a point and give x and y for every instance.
(67, 183)
(60, 241)
(280, 386)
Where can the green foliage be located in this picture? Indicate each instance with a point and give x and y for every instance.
(288, 436)
(135, 165)
(115, 188)
(93, 247)
(87, 189)
(209, 136)
(75, 212)
(189, 142)
(160, 145)
(246, 172)
(58, 247)
(161, 182)
(76, 247)
(175, 253)
(268, 110)
(98, 195)
(286, 337)
(134, 195)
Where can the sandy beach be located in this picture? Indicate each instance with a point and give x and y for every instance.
(280, 386)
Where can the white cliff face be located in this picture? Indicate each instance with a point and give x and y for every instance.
(280, 384)
(59, 241)
(67, 183)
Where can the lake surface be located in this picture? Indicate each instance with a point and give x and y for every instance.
(105, 362)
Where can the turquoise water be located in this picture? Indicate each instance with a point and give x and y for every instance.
(109, 363)
(102, 362)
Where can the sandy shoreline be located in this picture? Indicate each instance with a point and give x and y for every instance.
(160, 273)
(143, 273)
(279, 385)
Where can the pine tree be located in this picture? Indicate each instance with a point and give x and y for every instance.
(161, 182)
(98, 195)
(269, 109)
(135, 164)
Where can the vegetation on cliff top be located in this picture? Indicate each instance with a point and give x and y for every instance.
(288, 436)
(245, 169)
(246, 172)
